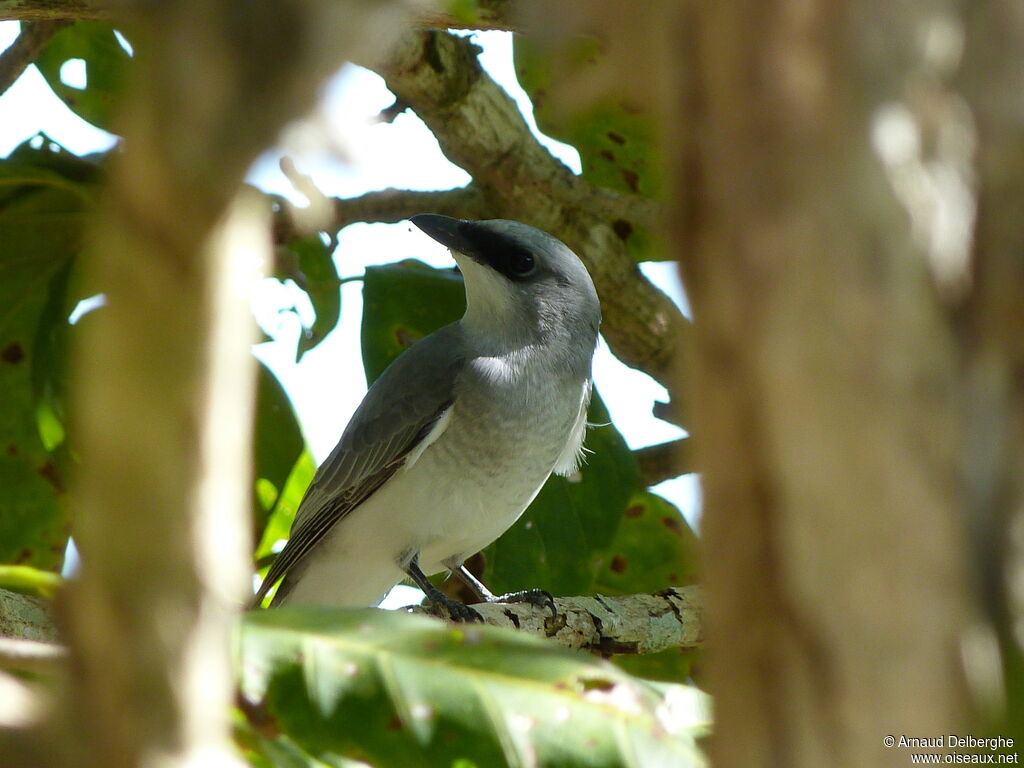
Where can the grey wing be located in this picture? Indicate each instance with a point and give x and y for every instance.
(398, 412)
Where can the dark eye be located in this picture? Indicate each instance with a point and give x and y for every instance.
(520, 263)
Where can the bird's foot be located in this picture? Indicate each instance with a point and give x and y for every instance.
(537, 597)
(456, 611)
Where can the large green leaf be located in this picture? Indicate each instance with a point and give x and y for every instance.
(106, 64)
(277, 445)
(615, 136)
(399, 690)
(402, 303)
(41, 215)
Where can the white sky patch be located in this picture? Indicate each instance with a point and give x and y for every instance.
(74, 74)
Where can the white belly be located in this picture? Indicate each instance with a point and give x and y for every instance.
(438, 508)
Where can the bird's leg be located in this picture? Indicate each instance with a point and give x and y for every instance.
(456, 611)
(537, 597)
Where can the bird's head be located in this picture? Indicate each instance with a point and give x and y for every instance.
(518, 278)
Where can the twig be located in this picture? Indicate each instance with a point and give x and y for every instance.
(389, 206)
(23, 51)
(665, 460)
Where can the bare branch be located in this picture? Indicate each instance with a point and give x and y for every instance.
(665, 460)
(23, 51)
(388, 206)
(626, 624)
(491, 14)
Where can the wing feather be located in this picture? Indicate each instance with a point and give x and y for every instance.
(399, 411)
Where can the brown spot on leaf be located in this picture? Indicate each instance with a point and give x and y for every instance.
(632, 180)
(673, 578)
(637, 510)
(672, 523)
(631, 107)
(23, 556)
(597, 684)
(618, 564)
(622, 228)
(52, 476)
(11, 450)
(607, 155)
(394, 724)
(616, 137)
(259, 716)
(405, 337)
(13, 353)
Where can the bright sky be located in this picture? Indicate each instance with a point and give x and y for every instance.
(328, 384)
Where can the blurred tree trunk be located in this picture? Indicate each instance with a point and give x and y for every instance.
(827, 190)
(164, 383)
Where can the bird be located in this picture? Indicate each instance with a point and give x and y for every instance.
(457, 436)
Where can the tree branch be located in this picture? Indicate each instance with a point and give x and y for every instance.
(52, 10)
(626, 624)
(387, 206)
(665, 460)
(491, 14)
(24, 617)
(23, 51)
(480, 128)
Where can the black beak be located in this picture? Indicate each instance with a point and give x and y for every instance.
(445, 230)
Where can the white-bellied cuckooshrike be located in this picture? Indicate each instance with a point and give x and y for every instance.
(457, 436)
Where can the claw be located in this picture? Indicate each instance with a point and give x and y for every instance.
(456, 611)
(538, 597)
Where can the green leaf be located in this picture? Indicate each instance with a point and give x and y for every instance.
(277, 443)
(402, 303)
(41, 217)
(616, 138)
(287, 504)
(394, 689)
(106, 64)
(49, 363)
(316, 274)
(675, 665)
(654, 548)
